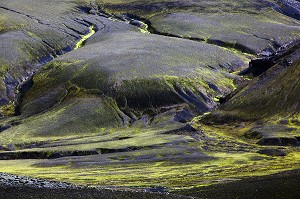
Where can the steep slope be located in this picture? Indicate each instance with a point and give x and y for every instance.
(271, 100)
(274, 94)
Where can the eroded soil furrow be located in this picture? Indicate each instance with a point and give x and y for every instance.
(26, 85)
(26, 15)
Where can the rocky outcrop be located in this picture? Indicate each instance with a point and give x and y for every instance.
(13, 186)
(9, 180)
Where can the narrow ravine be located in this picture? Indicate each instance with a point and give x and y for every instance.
(289, 8)
(145, 26)
(81, 42)
(27, 84)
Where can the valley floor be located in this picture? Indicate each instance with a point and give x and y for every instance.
(280, 185)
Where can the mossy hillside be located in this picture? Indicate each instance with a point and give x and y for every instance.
(147, 9)
(120, 79)
(148, 96)
(50, 86)
(242, 32)
(72, 117)
(144, 96)
(6, 24)
(224, 23)
(278, 96)
(38, 29)
(139, 48)
(32, 36)
(79, 114)
(266, 111)
(81, 101)
(134, 73)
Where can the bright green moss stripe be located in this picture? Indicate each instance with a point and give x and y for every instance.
(85, 37)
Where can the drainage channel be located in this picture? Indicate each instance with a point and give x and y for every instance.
(27, 84)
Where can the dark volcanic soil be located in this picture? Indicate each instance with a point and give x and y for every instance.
(281, 185)
(13, 187)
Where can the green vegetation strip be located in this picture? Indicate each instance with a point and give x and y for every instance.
(174, 175)
(85, 37)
